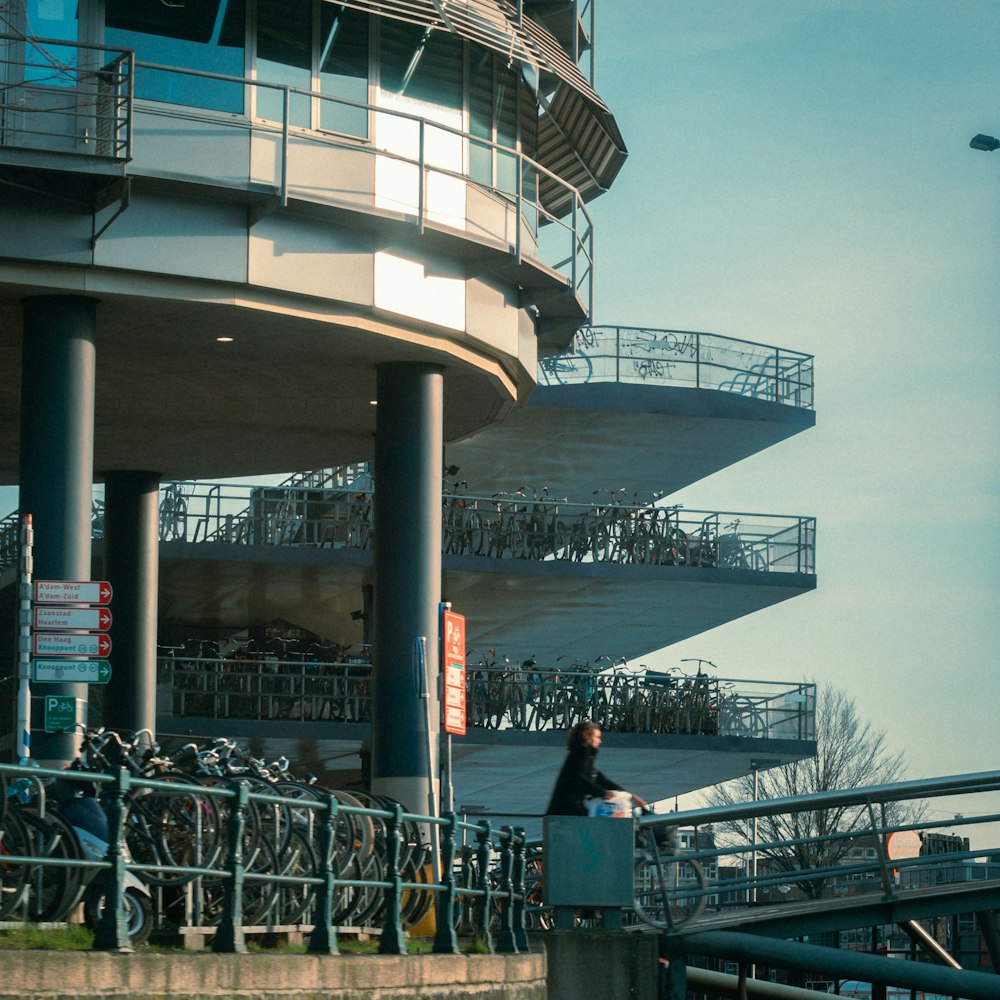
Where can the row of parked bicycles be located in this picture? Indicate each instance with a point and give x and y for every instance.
(558, 697)
(528, 524)
(177, 839)
(621, 529)
(499, 695)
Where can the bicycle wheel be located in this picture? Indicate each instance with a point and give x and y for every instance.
(479, 534)
(298, 860)
(173, 830)
(670, 892)
(52, 890)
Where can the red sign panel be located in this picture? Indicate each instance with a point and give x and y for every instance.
(78, 619)
(72, 592)
(453, 665)
(71, 644)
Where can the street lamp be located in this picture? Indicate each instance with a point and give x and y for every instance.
(987, 143)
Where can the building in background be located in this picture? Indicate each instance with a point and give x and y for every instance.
(248, 236)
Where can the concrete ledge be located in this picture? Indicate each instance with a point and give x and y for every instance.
(39, 975)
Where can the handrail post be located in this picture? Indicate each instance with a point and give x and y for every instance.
(285, 119)
(506, 943)
(519, 208)
(697, 360)
(520, 935)
(323, 940)
(575, 245)
(446, 937)
(420, 179)
(883, 863)
(229, 937)
(393, 940)
(485, 900)
(111, 933)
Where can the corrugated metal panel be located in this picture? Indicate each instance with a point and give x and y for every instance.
(578, 138)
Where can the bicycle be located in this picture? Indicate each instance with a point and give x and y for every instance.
(670, 889)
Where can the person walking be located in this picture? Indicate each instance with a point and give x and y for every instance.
(579, 778)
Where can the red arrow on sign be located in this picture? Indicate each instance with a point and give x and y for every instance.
(71, 644)
(73, 591)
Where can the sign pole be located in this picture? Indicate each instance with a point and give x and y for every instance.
(24, 644)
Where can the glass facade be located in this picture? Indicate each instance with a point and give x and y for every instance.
(51, 65)
(208, 36)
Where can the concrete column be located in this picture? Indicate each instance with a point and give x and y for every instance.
(58, 365)
(131, 566)
(407, 520)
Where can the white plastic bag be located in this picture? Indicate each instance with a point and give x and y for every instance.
(619, 806)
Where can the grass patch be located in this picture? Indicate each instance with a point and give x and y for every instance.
(75, 937)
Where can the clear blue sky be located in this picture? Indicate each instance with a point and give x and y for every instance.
(800, 174)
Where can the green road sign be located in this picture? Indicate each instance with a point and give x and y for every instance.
(70, 671)
(60, 713)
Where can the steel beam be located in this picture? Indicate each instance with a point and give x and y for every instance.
(842, 963)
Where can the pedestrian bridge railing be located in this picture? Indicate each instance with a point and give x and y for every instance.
(747, 861)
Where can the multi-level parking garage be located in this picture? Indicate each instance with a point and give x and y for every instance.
(246, 236)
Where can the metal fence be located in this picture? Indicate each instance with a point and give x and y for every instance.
(645, 356)
(223, 856)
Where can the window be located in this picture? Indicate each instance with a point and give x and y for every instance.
(284, 55)
(421, 64)
(310, 48)
(343, 68)
(206, 36)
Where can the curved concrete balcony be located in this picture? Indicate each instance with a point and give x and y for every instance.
(532, 577)
(686, 403)
(317, 254)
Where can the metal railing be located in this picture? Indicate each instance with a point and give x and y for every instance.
(61, 96)
(500, 527)
(645, 356)
(203, 851)
(539, 698)
(778, 852)
(562, 242)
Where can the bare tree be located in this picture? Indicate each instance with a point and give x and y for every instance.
(850, 753)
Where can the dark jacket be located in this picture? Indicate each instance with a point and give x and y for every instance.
(578, 779)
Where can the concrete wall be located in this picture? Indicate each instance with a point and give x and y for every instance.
(608, 965)
(35, 975)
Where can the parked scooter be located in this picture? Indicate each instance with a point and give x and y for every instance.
(77, 803)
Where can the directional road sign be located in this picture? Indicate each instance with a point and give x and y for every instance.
(70, 671)
(72, 592)
(81, 619)
(72, 644)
